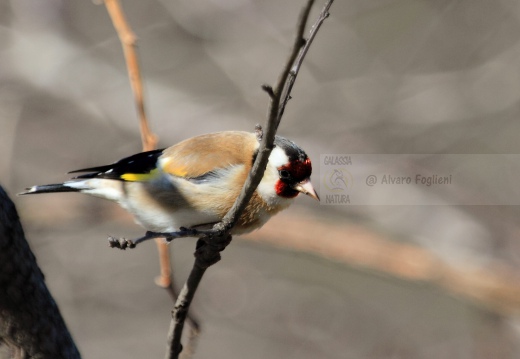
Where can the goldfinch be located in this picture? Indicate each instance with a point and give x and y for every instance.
(194, 183)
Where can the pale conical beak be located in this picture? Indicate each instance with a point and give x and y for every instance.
(306, 188)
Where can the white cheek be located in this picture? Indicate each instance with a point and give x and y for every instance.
(266, 188)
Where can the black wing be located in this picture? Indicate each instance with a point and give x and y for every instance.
(140, 163)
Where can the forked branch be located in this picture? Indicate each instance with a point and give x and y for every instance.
(213, 241)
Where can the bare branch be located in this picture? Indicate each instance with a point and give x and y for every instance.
(128, 41)
(205, 256)
(165, 278)
(295, 69)
(148, 138)
(149, 141)
(268, 89)
(299, 43)
(180, 311)
(215, 240)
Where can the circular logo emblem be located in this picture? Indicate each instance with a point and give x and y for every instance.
(338, 180)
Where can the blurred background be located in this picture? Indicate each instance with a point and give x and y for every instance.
(382, 77)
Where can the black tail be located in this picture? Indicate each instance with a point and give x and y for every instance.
(49, 188)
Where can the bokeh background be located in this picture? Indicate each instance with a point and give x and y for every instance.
(392, 76)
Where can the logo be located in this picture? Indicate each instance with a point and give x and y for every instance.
(338, 180)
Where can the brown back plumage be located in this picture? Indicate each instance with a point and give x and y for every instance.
(199, 155)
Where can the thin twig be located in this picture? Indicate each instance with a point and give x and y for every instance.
(203, 260)
(295, 69)
(269, 132)
(216, 240)
(148, 138)
(128, 41)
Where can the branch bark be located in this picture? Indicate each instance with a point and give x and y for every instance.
(29, 317)
(212, 242)
(148, 138)
(129, 43)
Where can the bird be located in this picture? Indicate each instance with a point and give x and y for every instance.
(195, 182)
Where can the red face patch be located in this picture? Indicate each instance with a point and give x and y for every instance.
(291, 174)
(284, 190)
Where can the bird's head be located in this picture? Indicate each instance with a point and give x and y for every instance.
(288, 171)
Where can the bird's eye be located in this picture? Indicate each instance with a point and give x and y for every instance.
(284, 174)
